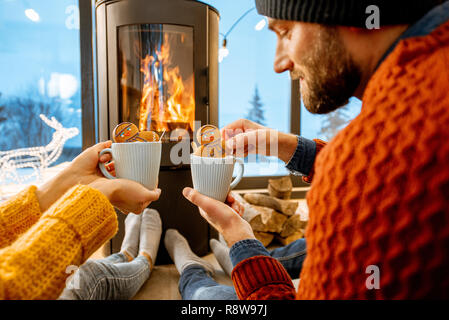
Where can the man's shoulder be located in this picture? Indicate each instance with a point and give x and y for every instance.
(418, 66)
(415, 52)
(422, 48)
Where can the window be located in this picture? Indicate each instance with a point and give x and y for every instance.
(249, 87)
(40, 68)
(325, 126)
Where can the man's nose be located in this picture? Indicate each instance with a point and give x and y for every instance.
(282, 62)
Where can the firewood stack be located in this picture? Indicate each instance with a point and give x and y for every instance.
(273, 216)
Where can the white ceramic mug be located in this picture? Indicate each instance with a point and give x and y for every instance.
(138, 161)
(212, 176)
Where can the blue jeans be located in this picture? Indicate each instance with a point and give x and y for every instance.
(112, 278)
(196, 283)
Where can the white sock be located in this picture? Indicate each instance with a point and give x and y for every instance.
(221, 239)
(130, 244)
(150, 233)
(221, 253)
(179, 250)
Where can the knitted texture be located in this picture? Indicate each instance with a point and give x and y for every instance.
(345, 12)
(380, 192)
(247, 282)
(34, 266)
(17, 215)
(379, 196)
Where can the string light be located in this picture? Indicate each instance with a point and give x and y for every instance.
(223, 52)
(261, 24)
(32, 15)
(35, 158)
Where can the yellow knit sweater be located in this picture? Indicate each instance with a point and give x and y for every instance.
(36, 248)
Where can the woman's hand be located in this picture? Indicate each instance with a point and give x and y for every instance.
(245, 136)
(126, 195)
(221, 217)
(84, 168)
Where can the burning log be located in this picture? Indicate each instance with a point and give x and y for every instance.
(280, 188)
(168, 101)
(177, 125)
(285, 206)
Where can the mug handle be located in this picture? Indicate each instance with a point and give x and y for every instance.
(101, 164)
(239, 175)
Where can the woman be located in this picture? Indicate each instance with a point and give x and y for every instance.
(45, 230)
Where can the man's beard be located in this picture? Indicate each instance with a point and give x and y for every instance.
(330, 76)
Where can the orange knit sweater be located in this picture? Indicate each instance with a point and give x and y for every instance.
(380, 192)
(36, 248)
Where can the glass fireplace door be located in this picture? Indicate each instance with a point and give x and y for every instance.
(156, 75)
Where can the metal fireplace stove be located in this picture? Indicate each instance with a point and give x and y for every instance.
(157, 66)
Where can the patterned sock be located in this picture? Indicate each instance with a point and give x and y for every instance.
(179, 250)
(130, 244)
(150, 234)
(221, 253)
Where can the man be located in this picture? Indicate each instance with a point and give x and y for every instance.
(378, 203)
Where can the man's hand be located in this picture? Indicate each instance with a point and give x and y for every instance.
(221, 217)
(235, 205)
(244, 137)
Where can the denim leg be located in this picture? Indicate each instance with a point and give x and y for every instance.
(115, 258)
(196, 283)
(104, 280)
(291, 256)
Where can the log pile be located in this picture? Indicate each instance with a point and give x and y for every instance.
(273, 216)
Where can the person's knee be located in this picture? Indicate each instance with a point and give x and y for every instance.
(90, 269)
(216, 292)
(202, 293)
(79, 284)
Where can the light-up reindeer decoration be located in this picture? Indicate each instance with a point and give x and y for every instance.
(36, 158)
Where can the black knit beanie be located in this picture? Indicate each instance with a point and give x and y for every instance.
(346, 12)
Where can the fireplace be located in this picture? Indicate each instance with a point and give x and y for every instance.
(157, 67)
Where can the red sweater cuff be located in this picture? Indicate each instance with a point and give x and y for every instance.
(320, 144)
(253, 275)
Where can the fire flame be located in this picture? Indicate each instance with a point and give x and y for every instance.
(168, 102)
